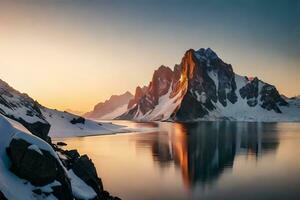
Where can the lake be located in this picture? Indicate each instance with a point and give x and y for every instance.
(205, 160)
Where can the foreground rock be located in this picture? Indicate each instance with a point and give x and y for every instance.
(43, 170)
(84, 168)
(39, 167)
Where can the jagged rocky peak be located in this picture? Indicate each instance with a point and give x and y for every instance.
(209, 80)
(203, 86)
(256, 91)
(161, 81)
(139, 93)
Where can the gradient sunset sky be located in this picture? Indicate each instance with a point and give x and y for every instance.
(75, 53)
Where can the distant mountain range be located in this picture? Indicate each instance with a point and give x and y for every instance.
(203, 87)
(112, 108)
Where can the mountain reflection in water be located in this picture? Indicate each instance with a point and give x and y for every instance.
(204, 150)
(204, 160)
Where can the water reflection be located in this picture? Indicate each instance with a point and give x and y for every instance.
(202, 151)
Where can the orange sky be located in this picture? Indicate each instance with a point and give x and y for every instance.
(73, 56)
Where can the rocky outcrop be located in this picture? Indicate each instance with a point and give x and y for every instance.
(158, 87)
(257, 91)
(139, 93)
(271, 99)
(39, 167)
(84, 168)
(79, 120)
(250, 91)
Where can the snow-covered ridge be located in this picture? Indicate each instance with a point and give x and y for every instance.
(62, 126)
(40, 120)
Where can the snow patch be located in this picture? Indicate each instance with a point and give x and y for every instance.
(79, 188)
(35, 148)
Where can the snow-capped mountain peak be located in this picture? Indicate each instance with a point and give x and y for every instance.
(203, 87)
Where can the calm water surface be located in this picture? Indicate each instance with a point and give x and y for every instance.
(206, 160)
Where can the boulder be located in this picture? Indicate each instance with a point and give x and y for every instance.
(39, 167)
(61, 144)
(79, 120)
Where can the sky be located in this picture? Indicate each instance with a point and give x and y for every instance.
(72, 54)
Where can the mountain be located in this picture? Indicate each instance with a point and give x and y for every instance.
(203, 87)
(112, 108)
(42, 121)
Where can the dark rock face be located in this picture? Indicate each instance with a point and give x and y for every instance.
(39, 169)
(198, 66)
(147, 98)
(31, 165)
(38, 128)
(250, 91)
(271, 98)
(79, 120)
(158, 87)
(84, 168)
(139, 93)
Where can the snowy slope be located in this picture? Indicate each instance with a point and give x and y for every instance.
(18, 105)
(10, 183)
(164, 109)
(38, 119)
(115, 113)
(61, 125)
